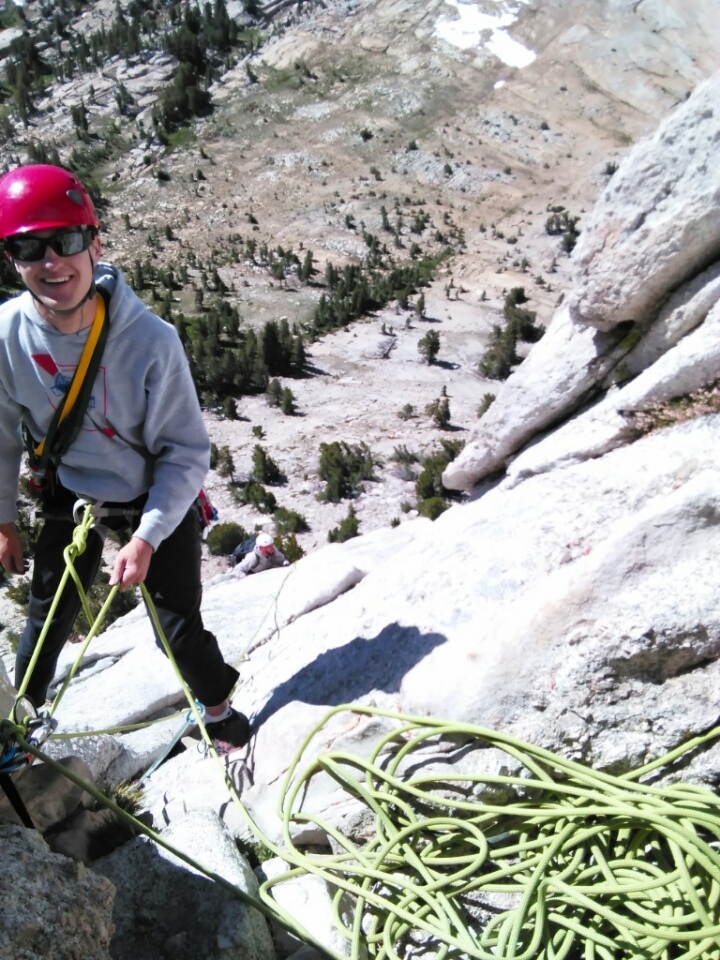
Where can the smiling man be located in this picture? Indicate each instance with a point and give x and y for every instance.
(139, 449)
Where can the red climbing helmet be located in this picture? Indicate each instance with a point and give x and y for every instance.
(40, 196)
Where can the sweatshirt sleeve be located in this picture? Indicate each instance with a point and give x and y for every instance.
(11, 450)
(176, 438)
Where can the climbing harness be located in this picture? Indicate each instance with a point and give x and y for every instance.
(100, 511)
(546, 860)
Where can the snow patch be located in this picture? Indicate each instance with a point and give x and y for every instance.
(469, 28)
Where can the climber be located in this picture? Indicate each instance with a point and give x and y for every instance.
(138, 449)
(263, 556)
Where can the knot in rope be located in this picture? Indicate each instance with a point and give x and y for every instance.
(78, 544)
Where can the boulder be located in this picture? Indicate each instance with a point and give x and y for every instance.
(656, 223)
(205, 919)
(50, 906)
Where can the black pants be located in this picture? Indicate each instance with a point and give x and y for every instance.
(173, 582)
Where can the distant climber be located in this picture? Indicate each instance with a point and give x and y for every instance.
(263, 556)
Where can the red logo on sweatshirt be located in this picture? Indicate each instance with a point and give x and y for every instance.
(61, 378)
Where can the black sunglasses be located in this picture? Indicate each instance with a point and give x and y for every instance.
(29, 248)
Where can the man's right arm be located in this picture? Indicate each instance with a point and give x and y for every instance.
(11, 553)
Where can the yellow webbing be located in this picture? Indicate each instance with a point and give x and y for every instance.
(82, 368)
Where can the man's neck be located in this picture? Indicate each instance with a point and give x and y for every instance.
(69, 323)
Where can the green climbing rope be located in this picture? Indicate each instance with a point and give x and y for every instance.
(570, 864)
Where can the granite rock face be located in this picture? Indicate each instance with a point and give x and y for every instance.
(645, 280)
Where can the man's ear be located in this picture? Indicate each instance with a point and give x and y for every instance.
(96, 248)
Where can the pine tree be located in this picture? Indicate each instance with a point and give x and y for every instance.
(429, 346)
(264, 468)
(348, 528)
(439, 410)
(225, 463)
(273, 393)
(287, 403)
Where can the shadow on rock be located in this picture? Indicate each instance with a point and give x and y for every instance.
(349, 673)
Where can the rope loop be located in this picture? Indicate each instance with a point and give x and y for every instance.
(78, 544)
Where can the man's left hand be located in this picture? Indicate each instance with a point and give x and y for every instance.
(131, 563)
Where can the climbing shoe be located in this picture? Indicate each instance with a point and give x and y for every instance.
(227, 735)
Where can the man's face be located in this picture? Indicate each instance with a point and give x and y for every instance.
(60, 281)
(267, 551)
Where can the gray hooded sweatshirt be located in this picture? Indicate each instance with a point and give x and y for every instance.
(143, 431)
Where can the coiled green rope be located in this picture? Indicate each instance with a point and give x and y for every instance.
(576, 865)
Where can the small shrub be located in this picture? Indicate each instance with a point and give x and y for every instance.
(273, 393)
(225, 463)
(290, 548)
(560, 223)
(439, 410)
(19, 592)
(407, 412)
(346, 529)
(264, 468)
(128, 795)
(520, 322)
(429, 346)
(406, 461)
(289, 521)
(224, 537)
(429, 483)
(343, 466)
(403, 455)
(255, 495)
(500, 357)
(432, 507)
(484, 405)
(229, 408)
(287, 402)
